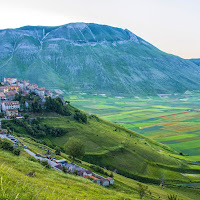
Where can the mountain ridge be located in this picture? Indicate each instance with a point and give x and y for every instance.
(93, 58)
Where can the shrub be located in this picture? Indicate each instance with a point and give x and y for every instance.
(33, 159)
(89, 178)
(45, 164)
(97, 169)
(79, 116)
(172, 197)
(32, 174)
(6, 145)
(111, 175)
(17, 152)
(64, 169)
(142, 190)
(57, 151)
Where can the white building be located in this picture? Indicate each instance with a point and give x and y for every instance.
(10, 105)
(104, 182)
(48, 93)
(32, 87)
(2, 96)
(40, 92)
(111, 180)
(10, 81)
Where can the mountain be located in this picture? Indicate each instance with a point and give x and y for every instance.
(195, 61)
(93, 58)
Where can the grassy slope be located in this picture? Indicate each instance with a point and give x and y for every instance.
(181, 132)
(51, 184)
(128, 152)
(48, 183)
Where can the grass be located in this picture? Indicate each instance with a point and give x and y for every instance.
(48, 183)
(52, 184)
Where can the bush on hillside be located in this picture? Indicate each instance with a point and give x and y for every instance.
(17, 152)
(57, 151)
(98, 169)
(6, 145)
(32, 174)
(143, 190)
(172, 197)
(45, 164)
(81, 117)
(31, 158)
(64, 169)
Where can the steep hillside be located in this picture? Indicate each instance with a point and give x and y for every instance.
(51, 184)
(93, 58)
(114, 147)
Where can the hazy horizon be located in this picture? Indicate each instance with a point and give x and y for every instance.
(169, 25)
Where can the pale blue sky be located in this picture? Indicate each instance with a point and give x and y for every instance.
(171, 25)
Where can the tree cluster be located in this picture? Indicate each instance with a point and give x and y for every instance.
(81, 117)
(56, 105)
(37, 129)
(8, 146)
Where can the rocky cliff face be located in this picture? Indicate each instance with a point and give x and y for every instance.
(93, 58)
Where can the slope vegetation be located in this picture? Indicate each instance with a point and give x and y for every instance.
(116, 148)
(51, 184)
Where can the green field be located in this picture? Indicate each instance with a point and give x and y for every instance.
(149, 117)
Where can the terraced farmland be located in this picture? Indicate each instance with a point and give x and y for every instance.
(175, 121)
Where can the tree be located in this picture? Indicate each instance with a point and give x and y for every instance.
(57, 151)
(45, 164)
(8, 131)
(111, 175)
(17, 152)
(142, 190)
(64, 169)
(75, 148)
(26, 116)
(172, 197)
(79, 116)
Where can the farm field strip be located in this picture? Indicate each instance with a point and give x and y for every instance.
(168, 121)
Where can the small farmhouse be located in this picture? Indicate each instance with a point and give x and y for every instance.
(10, 81)
(12, 112)
(104, 181)
(110, 180)
(10, 105)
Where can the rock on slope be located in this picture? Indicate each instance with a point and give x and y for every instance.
(93, 58)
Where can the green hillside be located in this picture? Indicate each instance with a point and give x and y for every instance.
(114, 147)
(51, 184)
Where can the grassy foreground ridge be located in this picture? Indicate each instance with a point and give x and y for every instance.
(51, 184)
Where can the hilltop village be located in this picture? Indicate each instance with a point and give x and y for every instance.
(13, 86)
(12, 89)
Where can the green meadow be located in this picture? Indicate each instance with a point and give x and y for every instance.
(166, 120)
